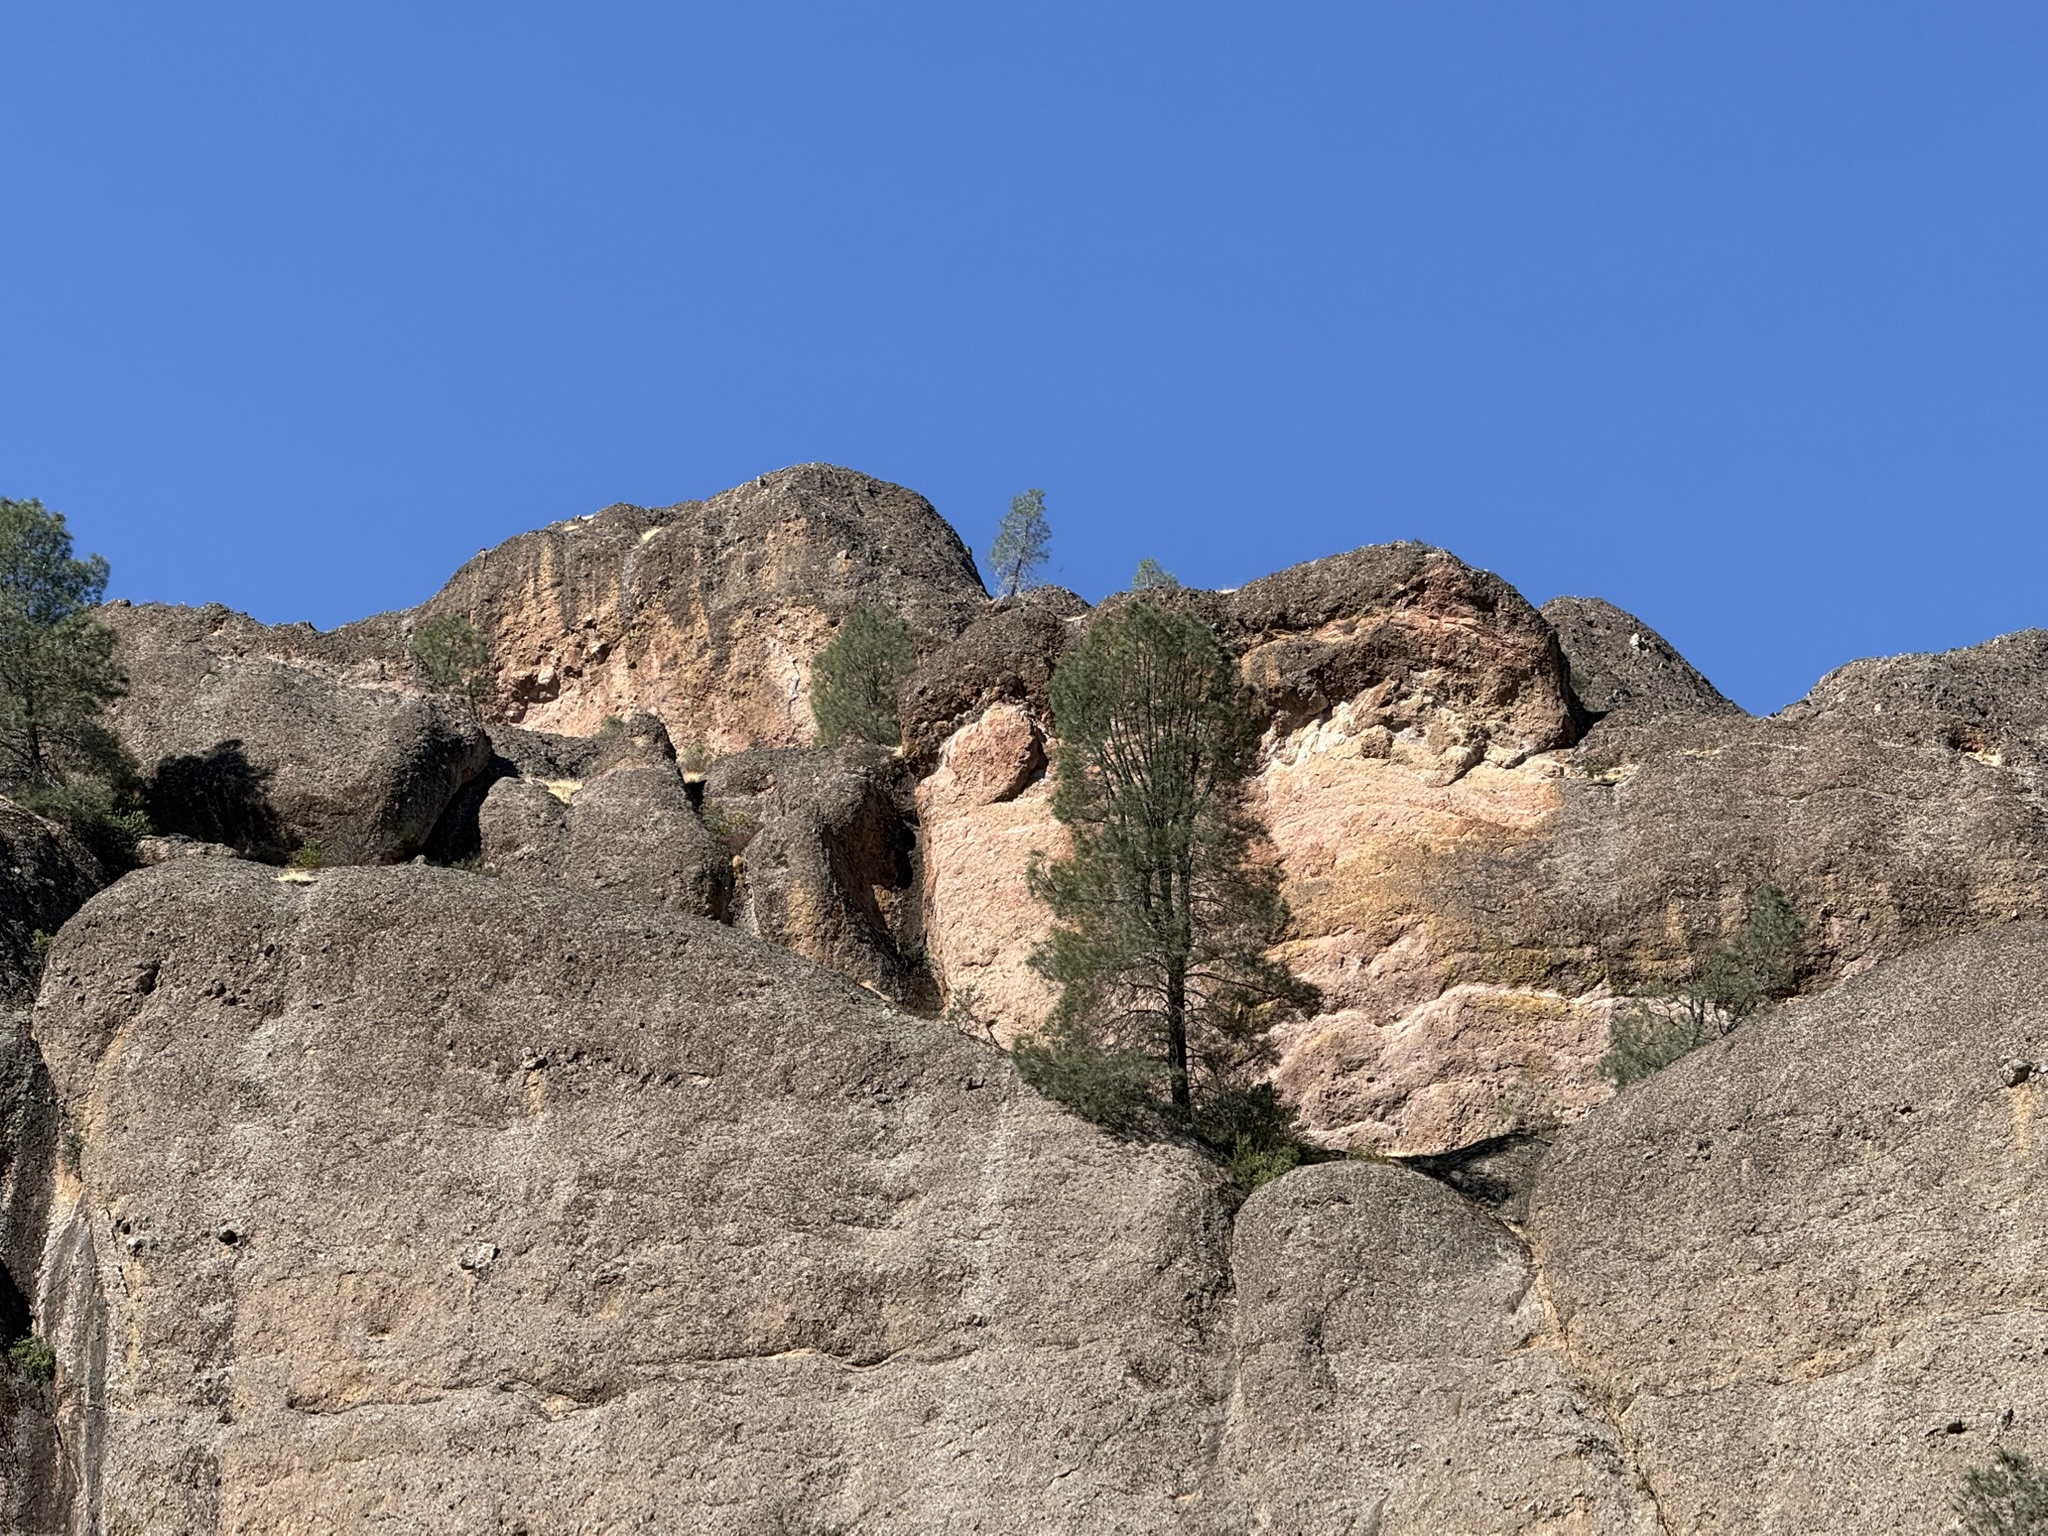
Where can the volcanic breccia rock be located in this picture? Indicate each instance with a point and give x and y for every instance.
(618, 1177)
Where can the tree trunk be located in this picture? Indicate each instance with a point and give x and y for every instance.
(1177, 1039)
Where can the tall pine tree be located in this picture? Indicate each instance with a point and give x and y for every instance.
(1165, 918)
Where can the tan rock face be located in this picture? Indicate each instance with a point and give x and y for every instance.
(1804, 1266)
(708, 613)
(414, 1200)
(986, 814)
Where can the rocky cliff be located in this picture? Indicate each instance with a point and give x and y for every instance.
(708, 613)
(617, 1174)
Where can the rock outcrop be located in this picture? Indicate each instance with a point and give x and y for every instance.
(828, 861)
(1804, 1267)
(1619, 662)
(1471, 888)
(45, 876)
(272, 739)
(626, 824)
(411, 1199)
(708, 613)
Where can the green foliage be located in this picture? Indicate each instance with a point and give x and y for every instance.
(1252, 1165)
(1732, 981)
(104, 816)
(73, 1152)
(1163, 917)
(855, 680)
(57, 669)
(737, 828)
(1151, 576)
(454, 656)
(697, 757)
(1021, 544)
(308, 855)
(2007, 1498)
(34, 1358)
(39, 944)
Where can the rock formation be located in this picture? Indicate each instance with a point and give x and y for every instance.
(410, 1197)
(1619, 662)
(1803, 1268)
(269, 740)
(827, 858)
(45, 876)
(571, 1189)
(708, 613)
(625, 824)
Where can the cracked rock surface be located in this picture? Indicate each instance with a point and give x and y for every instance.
(1804, 1266)
(413, 1200)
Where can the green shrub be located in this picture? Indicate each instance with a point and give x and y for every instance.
(855, 679)
(308, 855)
(454, 656)
(2007, 1498)
(33, 1358)
(73, 1152)
(1151, 576)
(101, 816)
(1733, 980)
(1252, 1165)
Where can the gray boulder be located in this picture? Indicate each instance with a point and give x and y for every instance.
(427, 1200)
(1805, 1265)
(828, 860)
(415, 1198)
(1617, 661)
(251, 738)
(45, 876)
(631, 830)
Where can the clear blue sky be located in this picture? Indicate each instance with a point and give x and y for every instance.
(1731, 314)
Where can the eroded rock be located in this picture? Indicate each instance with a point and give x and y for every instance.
(828, 860)
(708, 613)
(267, 740)
(1803, 1266)
(763, 1250)
(1619, 662)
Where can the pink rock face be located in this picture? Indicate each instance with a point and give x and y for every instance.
(1407, 1058)
(985, 813)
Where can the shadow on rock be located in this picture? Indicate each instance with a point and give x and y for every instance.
(218, 796)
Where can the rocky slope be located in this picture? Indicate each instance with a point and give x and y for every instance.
(271, 739)
(411, 1199)
(1803, 1268)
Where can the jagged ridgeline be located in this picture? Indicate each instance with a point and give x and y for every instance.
(532, 1085)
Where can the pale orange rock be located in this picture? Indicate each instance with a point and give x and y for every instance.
(985, 813)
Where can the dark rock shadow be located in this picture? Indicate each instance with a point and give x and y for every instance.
(218, 796)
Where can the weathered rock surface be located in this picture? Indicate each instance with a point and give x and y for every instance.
(33, 1472)
(1396, 1370)
(415, 1200)
(1469, 888)
(45, 876)
(627, 826)
(708, 613)
(1804, 1266)
(1619, 662)
(268, 739)
(828, 860)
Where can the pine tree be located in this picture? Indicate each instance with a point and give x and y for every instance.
(57, 668)
(58, 756)
(454, 656)
(1021, 544)
(1164, 917)
(855, 680)
(1151, 576)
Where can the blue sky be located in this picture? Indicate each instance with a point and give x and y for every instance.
(1734, 315)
